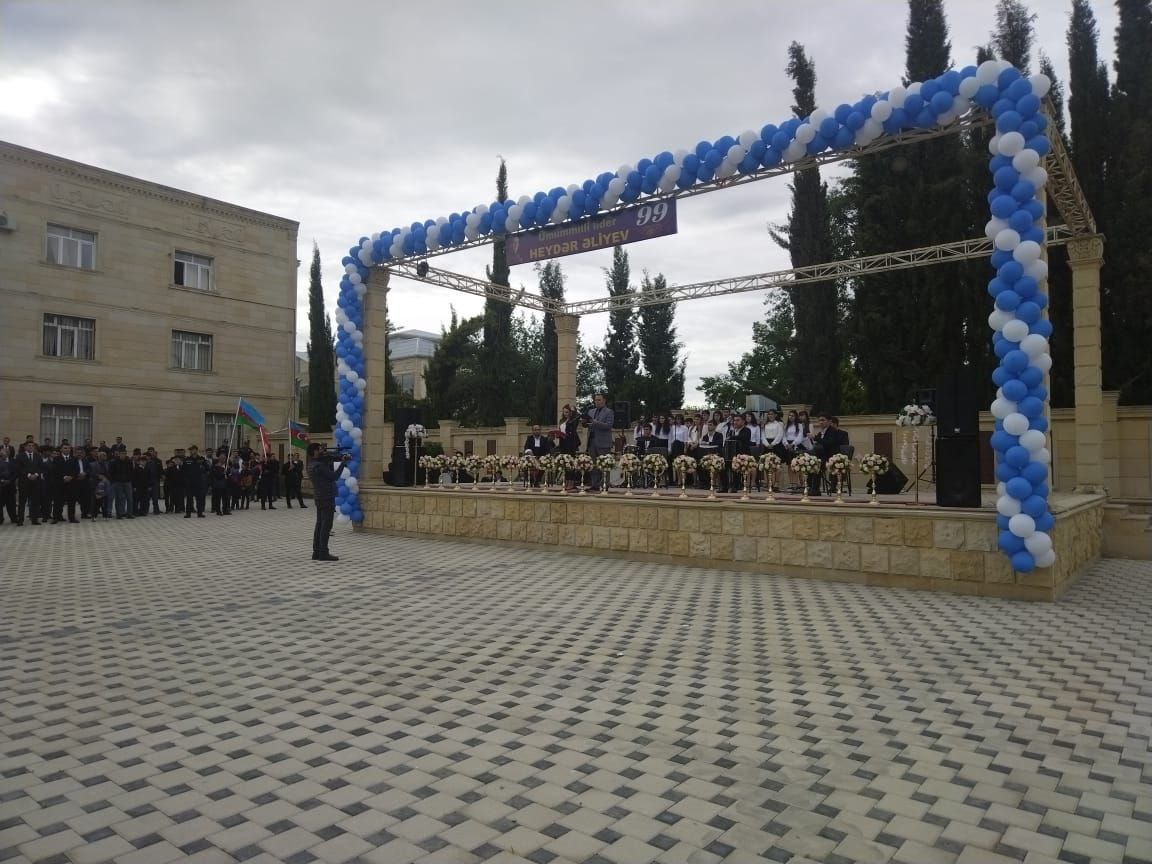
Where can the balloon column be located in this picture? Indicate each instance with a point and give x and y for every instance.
(1017, 205)
(350, 368)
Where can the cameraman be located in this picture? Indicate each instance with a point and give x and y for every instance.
(323, 475)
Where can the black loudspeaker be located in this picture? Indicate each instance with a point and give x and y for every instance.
(405, 417)
(891, 482)
(623, 414)
(958, 471)
(957, 407)
(398, 469)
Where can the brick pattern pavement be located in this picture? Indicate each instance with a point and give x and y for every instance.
(201, 691)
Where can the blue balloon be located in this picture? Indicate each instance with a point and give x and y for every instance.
(1017, 456)
(1031, 407)
(1035, 473)
(1034, 506)
(1001, 347)
(1012, 271)
(855, 121)
(950, 81)
(771, 157)
(1028, 105)
(999, 258)
(1040, 424)
(941, 102)
(1040, 144)
(1009, 121)
(1015, 390)
(748, 164)
(1027, 287)
(644, 164)
(1006, 179)
(829, 127)
(817, 145)
(1007, 300)
(1001, 376)
(1045, 522)
(1041, 490)
(702, 149)
(1017, 88)
(713, 158)
(1005, 79)
(1016, 361)
(1029, 128)
(1002, 441)
(841, 113)
(996, 285)
(724, 143)
(1035, 234)
(1020, 220)
(1039, 392)
(1042, 327)
(1002, 106)
(1004, 206)
(1009, 543)
(1001, 522)
(1024, 190)
(929, 89)
(1023, 562)
(781, 140)
(913, 102)
(768, 133)
(986, 96)
(1028, 312)
(703, 175)
(1018, 488)
(691, 163)
(1005, 472)
(1032, 377)
(635, 178)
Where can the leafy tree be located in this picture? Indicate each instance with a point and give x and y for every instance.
(551, 288)
(454, 371)
(589, 374)
(1014, 34)
(495, 381)
(771, 368)
(662, 386)
(807, 238)
(321, 354)
(1060, 382)
(620, 358)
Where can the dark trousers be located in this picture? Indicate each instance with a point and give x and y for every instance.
(325, 513)
(294, 491)
(64, 496)
(8, 501)
(30, 501)
(221, 503)
(194, 500)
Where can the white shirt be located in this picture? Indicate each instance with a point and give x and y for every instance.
(680, 433)
(772, 433)
(754, 430)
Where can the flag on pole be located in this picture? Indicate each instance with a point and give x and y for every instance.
(247, 414)
(264, 442)
(298, 434)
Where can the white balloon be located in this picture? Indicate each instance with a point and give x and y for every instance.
(622, 172)
(1038, 177)
(522, 200)
(471, 232)
(914, 87)
(994, 226)
(471, 220)
(564, 203)
(1043, 362)
(1007, 239)
(960, 104)
(987, 72)
(1001, 489)
(1022, 525)
(673, 172)
(1008, 506)
(511, 224)
(881, 110)
(747, 139)
(1034, 345)
(355, 278)
(667, 184)
(433, 241)
(361, 290)
(365, 257)
(615, 186)
(1002, 407)
(1033, 440)
(1041, 84)
(678, 156)
(481, 209)
(1027, 251)
(793, 152)
(346, 425)
(1045, 559)
(1016, 424)
(572, 187)
(726, 169)
(1038, 543)
(443, 220)
(736, 152)
(805, 133)
(341, 518)
(1043, 456)
(348, 326)
(873, 127)
(1011, 143)
(818, 116)
(350, 268)
(558, 217)
(1014, 331)
(1025, 160)
(361, 384)
(366, 244)
(968, 87)
(350, 375)
(999, 318)
(994, 145)
(514, 211)
(1037, 270)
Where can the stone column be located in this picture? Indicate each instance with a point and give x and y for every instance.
(567, 358)
(375, 456)
(447, 430)
(1085, 255)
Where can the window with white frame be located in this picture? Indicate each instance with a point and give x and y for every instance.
(192, 271)
(58, 422)
(71, 247)
(217, 430)
(69, 337)
(192, 351)
(407, 382)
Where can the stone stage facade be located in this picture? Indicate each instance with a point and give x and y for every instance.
(897, 545)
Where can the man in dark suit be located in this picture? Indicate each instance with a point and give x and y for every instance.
(294, 480)
(8, 480)
(29, 472)
(828, 440)
(194, 481)
(737, 442)
(601, 421)
(539, 445)
(62, 473)
(323, 475)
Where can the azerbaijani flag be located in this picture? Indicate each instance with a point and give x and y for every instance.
(298, 434)
(264, 442)
(247, 414)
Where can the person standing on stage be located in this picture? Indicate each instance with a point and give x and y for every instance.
(323, 475)
(600, 422)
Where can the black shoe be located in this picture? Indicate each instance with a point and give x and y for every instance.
(327, 557)
(129, 517)
(35, 521)
(199, 515)
(271, 506)
(302, 507)
(74, 521)
(186, 516)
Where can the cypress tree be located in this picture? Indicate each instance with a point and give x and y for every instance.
(498, 352)
(551, 287)
(808, 241)
(662, 387)
(321, 354)
(1128, 211)
(621, 360)
(1014, 34)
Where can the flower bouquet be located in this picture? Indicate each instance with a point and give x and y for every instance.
(474, 464)
(426, 464)
(682, 466)
(562, 463)
(805, 465)
(457, 464)
(605, 462)
(874, 464)
(547, 466)
(509, 467)
(527, 464)
(712, 463)
(745, 466)
(629, 464)
(491, 469)
(770, 465)
(583, 463)
(916, 415)
(655, 464)
(839, 465)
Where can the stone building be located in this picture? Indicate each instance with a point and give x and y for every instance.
(135, 309)
(410, 351)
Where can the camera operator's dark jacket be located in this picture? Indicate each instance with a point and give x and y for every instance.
(323, 477)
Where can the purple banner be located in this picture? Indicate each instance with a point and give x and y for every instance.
(600, 232)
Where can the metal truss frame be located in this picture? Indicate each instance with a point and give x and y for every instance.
(1063, 187)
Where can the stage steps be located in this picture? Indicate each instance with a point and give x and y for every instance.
(1128, 531)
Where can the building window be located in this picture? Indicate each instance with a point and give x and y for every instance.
(302, 403)
(407, 382)
(58, 422)
(193, 271)
(191, 351)
(217, 430)
(72, 338)
(71, 247)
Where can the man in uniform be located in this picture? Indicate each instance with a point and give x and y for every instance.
(323, 475)
(193, 474)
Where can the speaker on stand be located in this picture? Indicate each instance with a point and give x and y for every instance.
(402, 471)
(622, 414)
(957, 449)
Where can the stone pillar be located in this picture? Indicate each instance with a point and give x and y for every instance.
(376, 455)
(1085, 255)
(447, 429)
(516, 429)
(567, 358)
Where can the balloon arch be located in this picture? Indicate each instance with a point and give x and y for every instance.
(1027, 161)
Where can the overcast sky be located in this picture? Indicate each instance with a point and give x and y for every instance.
(353, 117)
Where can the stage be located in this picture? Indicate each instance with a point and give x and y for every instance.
(897, 543)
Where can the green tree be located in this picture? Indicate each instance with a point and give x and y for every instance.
(1014, 34)
(771, 368)
(1060, 381)
(662, 386)
(551, 288)
(495, 380)
(620, 358)
(454, 372)
(321, 354)
(808, 239)
(589, 374)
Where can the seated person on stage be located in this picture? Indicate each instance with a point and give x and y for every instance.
(538, 444)
(737, 441)
(711, 441)
(827, 440)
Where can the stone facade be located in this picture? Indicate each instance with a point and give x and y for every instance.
(927, 548)
(130, 385)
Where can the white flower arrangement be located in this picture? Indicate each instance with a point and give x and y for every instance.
(415, 431)
(605, 461)
(684, 465)
(655, 463)
(510, 464)
(770, 463)
(874, 463)
(916, 415)
(528, 462)
(563, 462)
(629, 463)
(473, 464)
(583, 462)
(712, 463)
(742, 463)
(426, 462)
(491, 465)
(806, 464)
(839, 464)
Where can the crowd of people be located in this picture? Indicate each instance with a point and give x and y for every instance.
(48, 482)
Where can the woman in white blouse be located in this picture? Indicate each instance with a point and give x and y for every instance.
(772, 435)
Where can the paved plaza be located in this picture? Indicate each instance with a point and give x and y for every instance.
(198, 690)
